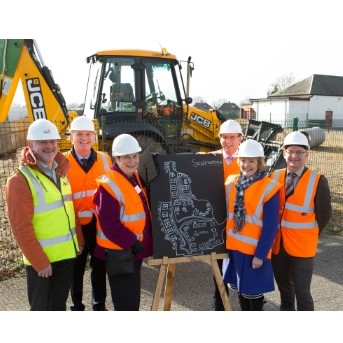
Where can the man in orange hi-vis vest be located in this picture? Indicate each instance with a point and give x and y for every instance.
(86, 166)
(230, 135)
(305, 209)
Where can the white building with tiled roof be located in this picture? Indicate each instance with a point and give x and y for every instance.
(317, 100)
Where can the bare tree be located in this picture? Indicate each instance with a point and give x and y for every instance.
(217, 103)
(73, 106)
(245, 101)
(198, 99)
(281, 83)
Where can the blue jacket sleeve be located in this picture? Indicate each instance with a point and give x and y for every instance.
(269, 227)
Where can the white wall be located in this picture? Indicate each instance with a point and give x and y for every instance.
(282, 111)
(320, 104)
(271, 110)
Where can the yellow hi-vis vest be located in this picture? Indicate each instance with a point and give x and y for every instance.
(54, 217)
(83, 184)
(255, 197)
(298, 226)
(132, 214)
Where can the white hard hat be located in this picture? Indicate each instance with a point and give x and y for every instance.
(82, 123)
(125, 144)
(296, 138)
(42, 130)
(250, 148)
(230, 126)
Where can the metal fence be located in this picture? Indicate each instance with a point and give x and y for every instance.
(326, 156)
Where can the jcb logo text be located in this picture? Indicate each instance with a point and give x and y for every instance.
(36, 98)
(200, 120)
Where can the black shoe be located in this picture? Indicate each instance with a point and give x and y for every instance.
(80, 307)
(256, 304)
(99, 307)
(243, 303)
(218, 305)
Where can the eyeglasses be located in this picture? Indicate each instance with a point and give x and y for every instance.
(229, 138)
(297, 153)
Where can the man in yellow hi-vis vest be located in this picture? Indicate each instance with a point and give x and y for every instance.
(46, 229)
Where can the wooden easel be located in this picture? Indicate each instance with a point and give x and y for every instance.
(167, 274)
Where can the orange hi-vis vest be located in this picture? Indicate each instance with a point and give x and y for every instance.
(231, 169)
(84, 185)
(255, 197)
(132, 214)
(298, 226)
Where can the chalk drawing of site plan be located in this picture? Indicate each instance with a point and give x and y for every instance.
(187, 222)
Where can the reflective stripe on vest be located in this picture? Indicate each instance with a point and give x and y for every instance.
(84, 194)
(132, 214)
(299, 227)
(42, 205)
(54, 217)
(84, 184)
(57, 240)
(306, 207)
(247, 239)
(229, 183)
(119, 195)
(309, 194)
(255, 218)
(105, 161)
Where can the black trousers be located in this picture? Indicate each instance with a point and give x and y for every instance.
(98, 273)
(51, 293)
(293, 276)
(126, 289)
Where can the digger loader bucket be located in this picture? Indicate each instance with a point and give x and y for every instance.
(265, 133)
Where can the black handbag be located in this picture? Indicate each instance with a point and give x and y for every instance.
(119, 262)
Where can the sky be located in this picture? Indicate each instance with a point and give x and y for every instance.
(239, 48)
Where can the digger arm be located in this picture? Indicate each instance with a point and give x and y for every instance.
(20, 59)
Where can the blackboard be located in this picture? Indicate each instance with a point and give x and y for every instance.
(188, 207)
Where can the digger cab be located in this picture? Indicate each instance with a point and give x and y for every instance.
(136, 92)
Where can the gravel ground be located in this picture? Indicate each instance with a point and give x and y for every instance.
(193, 288)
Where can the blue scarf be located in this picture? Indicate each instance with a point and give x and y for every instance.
(241, 185)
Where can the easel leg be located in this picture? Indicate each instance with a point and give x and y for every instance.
(159, 284)
(220, 283)
(168, 292)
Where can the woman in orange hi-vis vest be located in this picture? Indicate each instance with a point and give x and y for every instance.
(124, 223)
(252, 222)
(305, 209)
